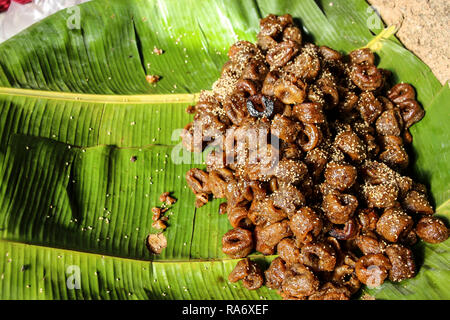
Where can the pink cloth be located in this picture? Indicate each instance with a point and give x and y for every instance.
(4, 4)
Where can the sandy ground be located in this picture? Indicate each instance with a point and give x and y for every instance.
(424, 29)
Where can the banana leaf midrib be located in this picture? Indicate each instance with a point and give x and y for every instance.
(102, 98)
(376, 42)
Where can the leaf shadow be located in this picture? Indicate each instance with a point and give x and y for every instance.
(424, 177)
(71, 191)
(306, 34)
(419, 255)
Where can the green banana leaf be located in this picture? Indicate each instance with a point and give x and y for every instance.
(75, 107)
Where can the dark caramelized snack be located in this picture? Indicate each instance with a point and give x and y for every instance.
(309, 112)
(197, 180)
(281, 53)
(401, 92)
(306, 225)
(340, 176)
(390, 122)
(362, 56)
(288, 251)
(238, 217)
(369, 243)
(309, 151)
(339, 208)
(403, 266)
(351, 144)
(237, 243)
(329, 291)
(369, 107)
(367, 77)
(432, 230)
(275, 274)
(299, 282)
(249, 272)
(367, 219)
(347, 232)
(344, 273)
(284, 128)
(394, 224)
(269, 236)
(417, 202)
(373, 269)
(318, 256)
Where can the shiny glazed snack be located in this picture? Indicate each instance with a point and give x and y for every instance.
(310, 156)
